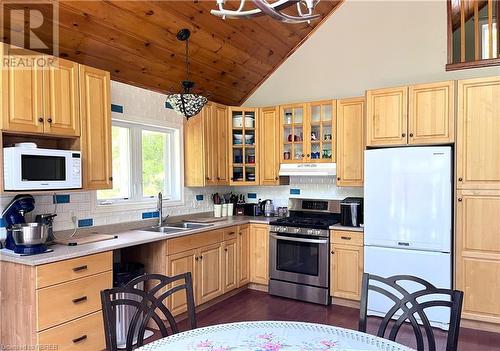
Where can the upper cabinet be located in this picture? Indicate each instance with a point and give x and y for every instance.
(40, 100)
(350, 141)
(95, 111)
(416, 115)
(62, 111)
(269, 162)
(432, 113)
(307, 131)
(386, 116)
(478, 134)
(206, 142)
(243, 150)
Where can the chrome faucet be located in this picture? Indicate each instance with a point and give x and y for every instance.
(161, 219)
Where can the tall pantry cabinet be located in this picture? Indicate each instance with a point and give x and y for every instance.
(477, 252)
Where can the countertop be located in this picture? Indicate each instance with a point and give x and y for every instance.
(350, 229)
(125, 239)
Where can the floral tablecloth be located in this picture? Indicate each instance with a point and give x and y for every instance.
(272, 336)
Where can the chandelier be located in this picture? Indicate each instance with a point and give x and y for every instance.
(186, 103)
(305, 10)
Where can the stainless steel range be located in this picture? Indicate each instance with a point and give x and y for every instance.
(299, 248)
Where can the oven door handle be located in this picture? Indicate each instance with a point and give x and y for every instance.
(300, 240)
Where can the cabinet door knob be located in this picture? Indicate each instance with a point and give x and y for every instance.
(411, 135)
(460, 179)
(196, 258)
(232, 178)
(201, 257)
(225, 249)
(403, 135)
(459, 199)
(49, 120)
(303, 155)
(208, 178)
(338, 178)
(308, 155)
(276, 178)
(40, 119)
(332, 252)
(218, 178)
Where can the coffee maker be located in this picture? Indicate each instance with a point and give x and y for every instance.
(14, 214)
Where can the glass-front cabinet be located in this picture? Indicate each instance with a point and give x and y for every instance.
(293, 131)
(308, 132)
(243, 125)
(321, 127)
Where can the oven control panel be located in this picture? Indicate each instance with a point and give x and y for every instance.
(298, 230)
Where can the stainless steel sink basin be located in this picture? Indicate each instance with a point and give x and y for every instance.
(164, 230)
(188, 225)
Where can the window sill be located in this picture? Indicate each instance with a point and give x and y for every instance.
(473, 64)
(134, 206)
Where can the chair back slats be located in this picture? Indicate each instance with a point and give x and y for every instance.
(406, 308)
(149, 307)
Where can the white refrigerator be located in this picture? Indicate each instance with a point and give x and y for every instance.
(408, 219)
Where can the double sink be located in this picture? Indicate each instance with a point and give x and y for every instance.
(175, 228)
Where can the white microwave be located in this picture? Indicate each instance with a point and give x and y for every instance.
(41, 169)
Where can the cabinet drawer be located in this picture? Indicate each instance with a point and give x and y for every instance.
(347, 238)
(61, 303)
(86, 333)
(230, 233)
(191, 242)
(63, 271)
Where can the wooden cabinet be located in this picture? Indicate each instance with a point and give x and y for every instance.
(176, 264)
(206, 143)
(259, 254)
(431, 113)
(210, 273)
(243, 255)
(38, 306)
(477, 254)
(95, 111)
(230, 265)
(244, 146)
(350, 141)
(307, 132)
(478, 134)
(346, 264)
(419, 114)
(269, 162)
(386, 116)
(40, 100)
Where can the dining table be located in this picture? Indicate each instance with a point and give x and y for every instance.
(272, 336)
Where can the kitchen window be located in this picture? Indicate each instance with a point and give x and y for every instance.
(144, 159)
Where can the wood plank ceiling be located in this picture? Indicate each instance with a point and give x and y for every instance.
(135, 41)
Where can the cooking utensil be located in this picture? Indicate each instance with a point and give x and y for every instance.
(29, 233)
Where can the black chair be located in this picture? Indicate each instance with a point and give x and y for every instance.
(410, 308)
(147, 306)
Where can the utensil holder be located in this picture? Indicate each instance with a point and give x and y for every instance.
(217, 210)
(224, 210)
(230, 209)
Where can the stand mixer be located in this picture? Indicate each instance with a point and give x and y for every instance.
(13, 215)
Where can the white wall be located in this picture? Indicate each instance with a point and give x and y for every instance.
(365, 45)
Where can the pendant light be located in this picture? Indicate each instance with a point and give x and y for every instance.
(186, 103)
(304, 10)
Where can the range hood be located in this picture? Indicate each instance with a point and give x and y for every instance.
(308, 169)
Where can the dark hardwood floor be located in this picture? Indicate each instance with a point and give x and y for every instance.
(250, 305)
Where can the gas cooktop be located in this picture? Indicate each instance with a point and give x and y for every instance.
(306, 222)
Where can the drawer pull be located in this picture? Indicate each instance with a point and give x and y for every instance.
(231, 233)
(80, 268)
(345, 238)
(80, 299)
(81, 338)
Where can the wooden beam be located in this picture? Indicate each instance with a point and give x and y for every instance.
(490, 28)
(462, 31)
(450, 31)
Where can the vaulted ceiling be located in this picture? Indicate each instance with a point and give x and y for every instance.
(136, 42)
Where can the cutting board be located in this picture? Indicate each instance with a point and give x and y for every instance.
(85, 239)
(207, 219)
